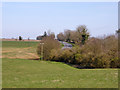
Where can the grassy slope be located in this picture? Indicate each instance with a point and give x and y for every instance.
(29, 73)
(41, 74)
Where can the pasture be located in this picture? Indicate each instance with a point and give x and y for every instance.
(20, 71)
(19, 49)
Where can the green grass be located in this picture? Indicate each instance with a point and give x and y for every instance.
(20, 73)
(19, 44)
(24, 73)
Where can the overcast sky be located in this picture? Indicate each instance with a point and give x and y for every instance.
(28, 19)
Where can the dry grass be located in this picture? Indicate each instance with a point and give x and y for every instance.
(16, 52)
(24, 53)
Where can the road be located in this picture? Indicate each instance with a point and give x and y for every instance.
(66, 45)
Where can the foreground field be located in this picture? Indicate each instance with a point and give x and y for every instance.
(40, 74)
(19, 71)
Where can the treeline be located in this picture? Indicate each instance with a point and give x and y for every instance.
(50, 34)
(89, 52)
(78, 36)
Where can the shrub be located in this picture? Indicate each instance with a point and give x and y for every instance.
(67, 56)
(98, 53)
(101, 53)
(55, 55)
(49, 45)
(95, 53)
(62, 55)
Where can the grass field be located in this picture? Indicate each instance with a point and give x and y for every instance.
(19, 49)
(20, 72)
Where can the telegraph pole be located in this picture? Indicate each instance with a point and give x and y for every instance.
(42, 50)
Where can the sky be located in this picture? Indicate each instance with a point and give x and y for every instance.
(30, 19)
(119, 14)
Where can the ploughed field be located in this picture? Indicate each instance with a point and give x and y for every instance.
(20, 70)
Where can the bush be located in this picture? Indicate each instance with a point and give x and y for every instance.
(62, 55)
(49, 45)
(95, 53)
(67, 56)
(99, 53)
(55, 55)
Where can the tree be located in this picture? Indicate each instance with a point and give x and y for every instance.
(73, 36)
(41, 36)
(20, 38)
(45, 34)
(67, 35)
(52, 35)
(82, 34)
(118, 31)
(78, 36)
(61, 37)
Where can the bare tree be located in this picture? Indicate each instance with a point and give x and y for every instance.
(61, 37)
